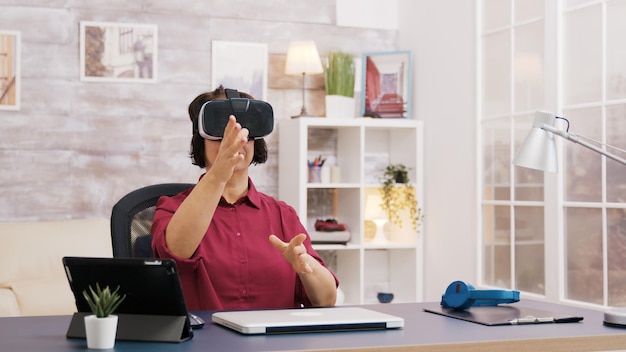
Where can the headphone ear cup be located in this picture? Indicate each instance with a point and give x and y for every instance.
(457, 296)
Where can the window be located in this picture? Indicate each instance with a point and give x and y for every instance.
(594, 187)
(512, 88)
(561, 236)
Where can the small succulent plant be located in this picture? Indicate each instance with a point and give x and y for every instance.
(103, 302)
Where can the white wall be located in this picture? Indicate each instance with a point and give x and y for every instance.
(441, 36)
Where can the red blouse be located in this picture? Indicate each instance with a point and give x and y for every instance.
(235, 265)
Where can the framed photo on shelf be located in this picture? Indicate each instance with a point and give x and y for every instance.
(118, 52)
(386, 84)
(241, 66)
(10, 70)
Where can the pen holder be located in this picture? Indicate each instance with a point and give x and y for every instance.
(315, 174)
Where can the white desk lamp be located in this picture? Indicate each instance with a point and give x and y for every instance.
(539, 152)
(374, 212)
(539, 149)
(303, 58)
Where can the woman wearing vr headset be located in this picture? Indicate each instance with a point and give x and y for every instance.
(235, 247)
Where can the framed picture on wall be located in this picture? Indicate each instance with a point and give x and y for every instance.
(118, 52)
(241, 66)
(10, 81)
(386, 84)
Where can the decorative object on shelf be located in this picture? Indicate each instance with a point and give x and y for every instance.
(329, 225)
(375, 213)
(303, 58)
(337, 237)
(101, 326)
(339, 76)
(398, 194)
(384, 297)
(386, 85)
(330, 231)
(335, 174)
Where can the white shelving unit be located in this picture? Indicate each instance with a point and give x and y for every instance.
(360, 148)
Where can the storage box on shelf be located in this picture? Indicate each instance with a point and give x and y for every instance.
(356, 151)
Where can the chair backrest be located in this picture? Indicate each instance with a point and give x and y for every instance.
(131, 219)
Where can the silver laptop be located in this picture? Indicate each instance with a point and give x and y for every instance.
(281, 321)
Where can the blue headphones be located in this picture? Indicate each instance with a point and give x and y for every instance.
(460, 295)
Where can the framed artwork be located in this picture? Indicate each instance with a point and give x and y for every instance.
(118, 52)
(10, 81)
(386, 84)
(241, 66)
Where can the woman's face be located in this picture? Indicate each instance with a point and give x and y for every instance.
(211, 148)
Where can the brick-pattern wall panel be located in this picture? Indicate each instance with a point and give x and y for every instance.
(74, 148)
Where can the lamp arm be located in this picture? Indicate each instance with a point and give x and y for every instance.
(574, 138)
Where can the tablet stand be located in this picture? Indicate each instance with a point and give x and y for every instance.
(140, 327)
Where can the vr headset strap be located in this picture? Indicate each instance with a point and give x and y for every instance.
(232, 93)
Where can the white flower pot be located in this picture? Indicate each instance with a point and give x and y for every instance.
(341, 107)
(100, 332)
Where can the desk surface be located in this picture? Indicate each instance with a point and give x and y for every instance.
(422, 331)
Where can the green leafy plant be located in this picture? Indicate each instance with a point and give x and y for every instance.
(339, 74)
(103, 302)
(398, 194)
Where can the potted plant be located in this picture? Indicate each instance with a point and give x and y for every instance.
(339, 76)
(399, 194)
(101, 326)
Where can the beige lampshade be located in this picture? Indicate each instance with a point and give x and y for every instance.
(302, 57)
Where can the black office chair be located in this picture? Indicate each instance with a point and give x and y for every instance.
(131, 219)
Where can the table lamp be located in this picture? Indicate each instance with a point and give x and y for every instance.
(375, 213)
(303, 58)
(539, 152)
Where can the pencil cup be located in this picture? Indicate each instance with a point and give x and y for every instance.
(315, 174)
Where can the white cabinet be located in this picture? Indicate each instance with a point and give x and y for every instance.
(356, 151)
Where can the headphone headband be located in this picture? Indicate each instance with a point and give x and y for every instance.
(460, 295)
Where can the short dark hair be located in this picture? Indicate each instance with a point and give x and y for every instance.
(197, 142)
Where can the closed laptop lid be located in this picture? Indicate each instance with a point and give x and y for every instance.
(280, 321)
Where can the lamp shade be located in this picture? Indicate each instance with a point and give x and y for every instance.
(373, 211)
(302, 57)
(539, 148)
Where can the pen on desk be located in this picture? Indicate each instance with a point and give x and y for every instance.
(531, 320)
(568, 320)
(534, 320)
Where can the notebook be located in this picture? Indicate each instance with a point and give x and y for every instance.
(504, 315)
(299, 320)
(154, 308)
